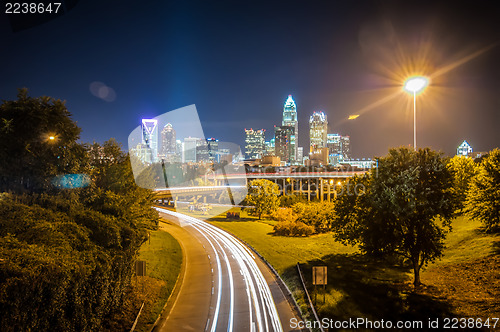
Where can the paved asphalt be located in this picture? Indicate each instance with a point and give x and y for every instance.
(224, 286)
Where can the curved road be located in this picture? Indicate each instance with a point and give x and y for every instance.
(224, 286)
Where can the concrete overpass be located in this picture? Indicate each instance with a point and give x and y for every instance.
(323, 185)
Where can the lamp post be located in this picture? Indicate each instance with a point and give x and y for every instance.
(414, 85)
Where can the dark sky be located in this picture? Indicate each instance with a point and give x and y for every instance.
(238, 60)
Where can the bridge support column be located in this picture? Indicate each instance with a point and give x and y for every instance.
(321, 188)
(309, 190)
(317, 188)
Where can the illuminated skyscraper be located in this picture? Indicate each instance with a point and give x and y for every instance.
(318, 127)
(150, 137)
(213, 148)
(168, 145)
(254, 143)
(338, 148)
(346, 147)
(283, 147)
(189, 149)
(270, 147)
(290, 120)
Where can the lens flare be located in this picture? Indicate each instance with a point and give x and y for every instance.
(415, 84)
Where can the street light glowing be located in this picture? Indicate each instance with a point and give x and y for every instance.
(416, 84)
(352, 117)
(413, 85)
(52, 138)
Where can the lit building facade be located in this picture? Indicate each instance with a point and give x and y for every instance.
(300, 155)
(150, 139)
(270, 147)
(254, 143)
(202, 154)
(283, 146)
(338, 148)
(189, 149)
(213, 148)
(168, 144)
(318, 128)
(290, 120)
(346, 146)
(206, 150)
(464, 149)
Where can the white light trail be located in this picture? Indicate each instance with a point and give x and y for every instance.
(262, 308)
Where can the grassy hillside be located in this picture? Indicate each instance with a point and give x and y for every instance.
(163, 256)
(359, 286)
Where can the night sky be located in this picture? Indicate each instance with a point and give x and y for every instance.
(237, 61)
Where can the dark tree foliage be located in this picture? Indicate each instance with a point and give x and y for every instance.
(28, 155)
(290, 200)
(66, 255)
(263, 195)
(483, 196)
(405, 208)
(463, 170)
(316, 214)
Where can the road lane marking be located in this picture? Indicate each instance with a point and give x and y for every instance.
(258, 291)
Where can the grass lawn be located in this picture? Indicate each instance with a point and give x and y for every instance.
(283, 252)
(468, 274)
(163, 256)
(359, 286)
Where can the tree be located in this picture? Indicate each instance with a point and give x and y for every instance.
(288, 225)
(463, 170)
(263, 195)
(37, 142)
(406, 208)
(483, 197)
(316, 214)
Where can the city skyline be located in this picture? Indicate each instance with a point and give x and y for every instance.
(119, 64)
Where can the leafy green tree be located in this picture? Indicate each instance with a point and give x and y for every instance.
(483, 197)
(405, 209)
(316, 214)
(463, 170)
(288, 225)
(263, 195)
(66, 255)
(37, 142)
(290, 200)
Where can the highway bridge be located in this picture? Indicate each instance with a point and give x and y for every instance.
(324, 185)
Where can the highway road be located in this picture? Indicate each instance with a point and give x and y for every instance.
(224, 286)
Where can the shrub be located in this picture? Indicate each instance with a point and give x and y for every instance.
(288, 225)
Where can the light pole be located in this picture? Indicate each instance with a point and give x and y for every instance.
(414, 85)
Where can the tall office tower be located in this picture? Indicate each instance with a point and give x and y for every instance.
(168, 144)
(202, 151)
(346, 147)
(338, 148)
(318, 127)
(300, 155)
(283, 147)
(213, 148)
(270, 147)
(254, 143)
(179, 147)
(290, 120)
(150, 137)
(189, 149)
(464, 149)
